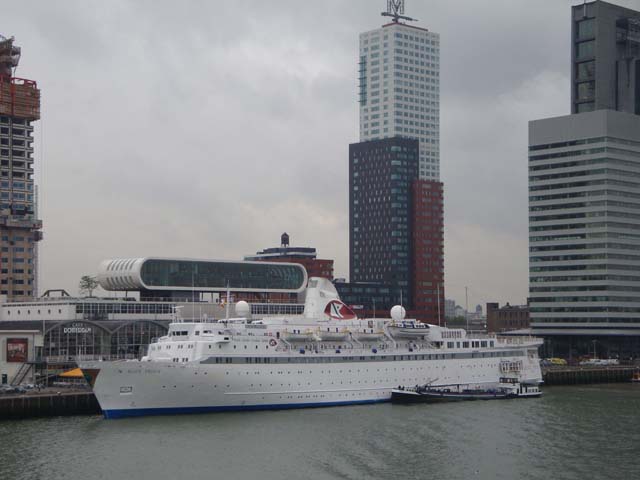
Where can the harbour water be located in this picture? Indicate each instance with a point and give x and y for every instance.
(578, 432)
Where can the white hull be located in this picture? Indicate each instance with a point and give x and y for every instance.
(285, 363)
(147, 388)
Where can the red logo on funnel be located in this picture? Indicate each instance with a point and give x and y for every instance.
(338, 310)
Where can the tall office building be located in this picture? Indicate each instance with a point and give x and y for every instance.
(427, 248)
(19, 226)
(584, 196)
(381, 173)
(399, 86)
(395, 228)
(605, 58)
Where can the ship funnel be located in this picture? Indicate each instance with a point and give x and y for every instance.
(323, 299)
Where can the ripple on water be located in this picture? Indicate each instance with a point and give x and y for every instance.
(571, 433)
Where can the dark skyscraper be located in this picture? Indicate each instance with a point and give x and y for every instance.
(396, 226)
(605, 58)
(380, 176)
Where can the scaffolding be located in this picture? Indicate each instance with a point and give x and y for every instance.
(19, 97)
(19, 106)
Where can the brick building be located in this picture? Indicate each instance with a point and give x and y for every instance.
(509, 317)
(305, 256)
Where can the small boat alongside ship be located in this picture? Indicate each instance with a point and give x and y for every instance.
(508, 387)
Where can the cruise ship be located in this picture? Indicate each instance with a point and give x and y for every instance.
(325, 357)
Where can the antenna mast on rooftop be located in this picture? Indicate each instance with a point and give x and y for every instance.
(395, 10)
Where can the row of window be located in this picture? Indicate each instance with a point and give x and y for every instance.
(594, 225)
(566, 268)
(597, 256)
(580, 163)
(583, 173)
(590, 151)
(586, 288)
(598, 298)
(589, 183)
(591, 193)
(584, 310)
(582, 215)
(585, 246)
(584, 278)
(372, 358)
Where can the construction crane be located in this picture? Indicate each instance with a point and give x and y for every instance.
(9, 56)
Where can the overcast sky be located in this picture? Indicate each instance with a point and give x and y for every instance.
(205, 129)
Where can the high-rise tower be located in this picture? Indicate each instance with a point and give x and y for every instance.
(584, 195)
(605, 58)
(395, 198)
(19, 226)
(399, 86)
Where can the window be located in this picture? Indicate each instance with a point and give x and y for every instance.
(586, 29)
(586, 91)
(585, 70)
(585, 107)
(585, 49)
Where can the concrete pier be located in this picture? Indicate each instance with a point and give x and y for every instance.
(587, 374)
(48, 405)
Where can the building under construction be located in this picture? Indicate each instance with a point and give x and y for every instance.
(20, 229)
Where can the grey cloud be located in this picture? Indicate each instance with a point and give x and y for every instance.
(205, 129)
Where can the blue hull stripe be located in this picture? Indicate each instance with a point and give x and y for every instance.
(139, 412)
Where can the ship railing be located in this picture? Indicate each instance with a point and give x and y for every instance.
(473, 336)
(70, 359)
(520, 340)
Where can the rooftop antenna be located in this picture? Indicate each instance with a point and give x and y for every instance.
(395, 10)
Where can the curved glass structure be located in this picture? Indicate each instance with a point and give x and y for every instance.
(209, 275)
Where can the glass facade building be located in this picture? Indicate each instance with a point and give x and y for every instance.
(584, 225)
(204, 275)
(605, 58)
(180, 278)
(399, 89)
(381, 173)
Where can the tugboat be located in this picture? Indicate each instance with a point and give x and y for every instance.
(514, 388)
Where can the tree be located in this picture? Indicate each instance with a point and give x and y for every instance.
(87, 285)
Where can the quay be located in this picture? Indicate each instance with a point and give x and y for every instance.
(580, 375)
(48, 404)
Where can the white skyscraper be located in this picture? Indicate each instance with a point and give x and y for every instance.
(399, 87)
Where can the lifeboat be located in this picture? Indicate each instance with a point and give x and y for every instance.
(298, 335)
(368, 335)
(328, 334)
(408, 330)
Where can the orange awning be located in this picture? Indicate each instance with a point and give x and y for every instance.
(75, 373)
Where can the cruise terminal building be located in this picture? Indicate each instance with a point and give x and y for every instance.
(148, 293)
